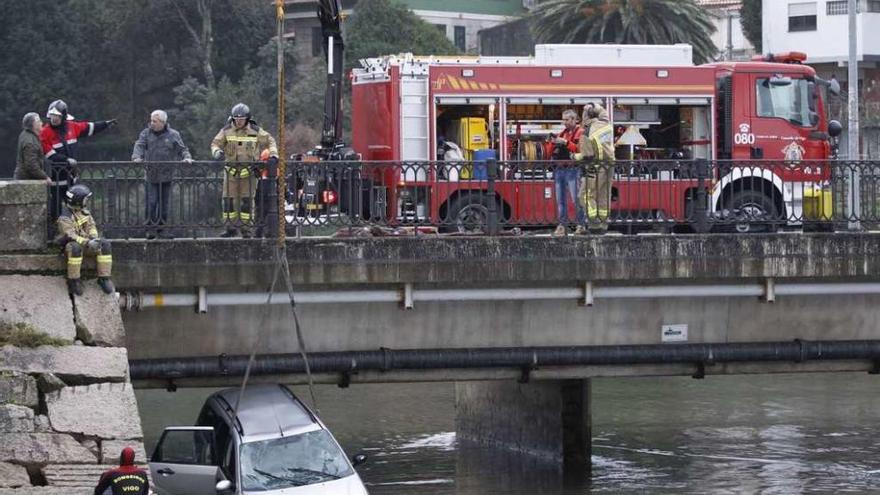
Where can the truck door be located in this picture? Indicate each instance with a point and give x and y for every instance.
(783, 116)
(184, 462)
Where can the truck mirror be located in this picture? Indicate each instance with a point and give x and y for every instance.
(814, 119)
(834, 87)
(834, 128)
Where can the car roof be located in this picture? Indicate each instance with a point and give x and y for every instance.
(267, 410)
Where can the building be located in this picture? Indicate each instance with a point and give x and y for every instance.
(461, 20)
(820, 28)
(729, 38)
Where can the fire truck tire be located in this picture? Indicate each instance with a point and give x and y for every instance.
(469, 213)
(757, 211)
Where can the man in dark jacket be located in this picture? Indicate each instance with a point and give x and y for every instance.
(29, 158)
(161, 144)
(127, 479)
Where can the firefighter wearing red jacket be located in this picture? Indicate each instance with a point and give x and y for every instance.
(59, 140)
(127, 479)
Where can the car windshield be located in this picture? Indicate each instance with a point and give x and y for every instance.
(298, 460)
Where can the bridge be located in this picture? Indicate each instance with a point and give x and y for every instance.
(520, 322)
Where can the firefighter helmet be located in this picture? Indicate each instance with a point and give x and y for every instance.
(77, 195)
(240, 111)
(57, 107)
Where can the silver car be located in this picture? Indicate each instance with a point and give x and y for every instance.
(274, 445)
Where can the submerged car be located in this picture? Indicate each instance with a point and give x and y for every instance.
(273, 444)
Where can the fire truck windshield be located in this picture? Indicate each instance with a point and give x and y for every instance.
(790, 101)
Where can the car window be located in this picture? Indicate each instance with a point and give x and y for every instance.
(298, 460)
(185, 447)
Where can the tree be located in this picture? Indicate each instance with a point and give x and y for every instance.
(750, 19)
(642, 22)
(383, 27)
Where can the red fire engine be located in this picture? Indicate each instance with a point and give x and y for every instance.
(662, 107)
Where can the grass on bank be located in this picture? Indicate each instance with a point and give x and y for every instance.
(22, 334)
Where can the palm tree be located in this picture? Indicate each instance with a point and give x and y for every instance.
(640, 22)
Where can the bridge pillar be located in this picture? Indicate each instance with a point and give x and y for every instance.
(548, 420)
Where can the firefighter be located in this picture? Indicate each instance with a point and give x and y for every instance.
(78, 234)
(596, 150)
(59, 141)
(239, 144)
(127, 479)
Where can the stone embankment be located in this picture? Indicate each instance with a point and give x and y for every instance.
(67, 408)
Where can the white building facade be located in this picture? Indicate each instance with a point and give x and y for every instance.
(820, 28)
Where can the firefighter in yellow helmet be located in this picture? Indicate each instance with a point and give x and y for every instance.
(596, 150)
(78, 234)
(239, 144)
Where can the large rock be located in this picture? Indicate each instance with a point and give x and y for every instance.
(16, 387)
(12, 476)
(41, 301)
(110, 450)
(73, 364)
(98, 320)
(23, 215)
(17, 419)
(73, 475)
(107, 410)
(44, 448)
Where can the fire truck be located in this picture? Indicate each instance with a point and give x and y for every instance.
(766, 111)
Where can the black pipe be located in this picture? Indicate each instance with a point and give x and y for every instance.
(519, 358)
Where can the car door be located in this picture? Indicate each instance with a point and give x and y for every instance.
(184, 461)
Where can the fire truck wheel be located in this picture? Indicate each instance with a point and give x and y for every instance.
(469, 213)
(754, 211)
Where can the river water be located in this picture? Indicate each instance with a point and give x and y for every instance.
(771, 434)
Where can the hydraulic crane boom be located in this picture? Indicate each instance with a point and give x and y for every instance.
(329, 12)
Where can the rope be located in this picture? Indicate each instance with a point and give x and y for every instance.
(281, 246)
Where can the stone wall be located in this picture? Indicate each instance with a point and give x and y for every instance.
(66, 411)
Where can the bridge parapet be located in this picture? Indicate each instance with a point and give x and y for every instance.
(519, 260)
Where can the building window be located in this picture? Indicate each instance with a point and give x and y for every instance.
(837, 8)
(459, 38)
(317, 42)
(873, 6)
(802, 16)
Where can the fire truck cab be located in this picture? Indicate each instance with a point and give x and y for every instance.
(662, 107)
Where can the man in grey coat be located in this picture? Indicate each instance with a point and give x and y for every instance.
(161, 145)
(29, 158)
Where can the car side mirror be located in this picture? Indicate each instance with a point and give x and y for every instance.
(358, 459)
(223, 487)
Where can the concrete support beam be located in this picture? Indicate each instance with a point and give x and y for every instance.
(547, 420)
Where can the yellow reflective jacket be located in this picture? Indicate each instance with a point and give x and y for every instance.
(243, 145)
(598, 141)
(76, 225)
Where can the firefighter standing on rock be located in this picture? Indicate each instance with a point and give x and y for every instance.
(596, 149)
(78, 234)
(239, 144)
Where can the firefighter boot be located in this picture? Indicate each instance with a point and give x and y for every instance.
(230, 232)
(560, 231)
(74, 287)
(106, 285)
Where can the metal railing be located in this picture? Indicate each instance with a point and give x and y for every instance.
(320, 198)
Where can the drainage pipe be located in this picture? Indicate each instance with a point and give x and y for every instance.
(525, 358)
(138, 301)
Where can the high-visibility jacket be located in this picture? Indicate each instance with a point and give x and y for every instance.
(242, 146)
(599, 142)
(77, 226)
